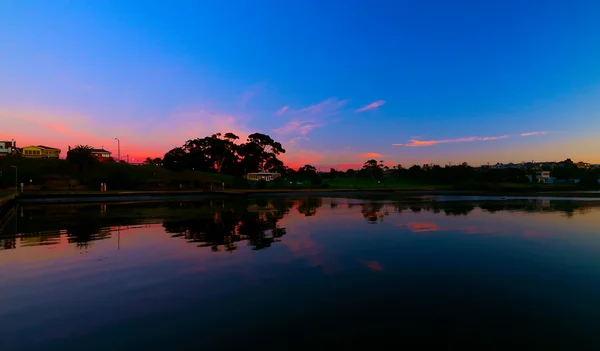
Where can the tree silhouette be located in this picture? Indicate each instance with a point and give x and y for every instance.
(82, 157)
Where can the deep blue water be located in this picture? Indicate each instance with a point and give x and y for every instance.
(274, 274)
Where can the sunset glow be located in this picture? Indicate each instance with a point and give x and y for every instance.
(335, 94)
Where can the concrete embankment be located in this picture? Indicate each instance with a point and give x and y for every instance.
(7, 207)
(50, 197)
(43, 197)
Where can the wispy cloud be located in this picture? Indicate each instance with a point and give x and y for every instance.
(371, 106)
(281, 111)
(308, 118)
(370, 155)
(301, 127)
(329, 106)
(294, 140)
(413, 143)
(533, 134)
(250, 94)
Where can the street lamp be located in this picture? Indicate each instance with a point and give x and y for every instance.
(16, 178)
(119, 148)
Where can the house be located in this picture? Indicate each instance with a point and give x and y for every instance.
(101, 154)
(542, 177)
(263, 175)
(583, 165)
(8, 148)
(40, 151)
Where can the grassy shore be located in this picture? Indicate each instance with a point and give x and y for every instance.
(408, 191)
(60, 174)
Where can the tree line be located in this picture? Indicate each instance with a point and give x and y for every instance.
(225, 154)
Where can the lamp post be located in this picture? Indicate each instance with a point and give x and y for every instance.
(16, 178)
(118, 148)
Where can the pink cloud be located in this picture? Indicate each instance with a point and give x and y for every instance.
(301, 127)
(281, 111)
(416, 143)
(370, 155)
(371, 106)
(533, 134)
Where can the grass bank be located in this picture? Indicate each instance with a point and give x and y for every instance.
(38, 174)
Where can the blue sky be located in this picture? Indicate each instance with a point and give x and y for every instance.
(466, 78)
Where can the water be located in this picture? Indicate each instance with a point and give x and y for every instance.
(301, 273)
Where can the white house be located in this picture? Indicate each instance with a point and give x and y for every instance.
(543, 176)
(268, 176)
(8, 148)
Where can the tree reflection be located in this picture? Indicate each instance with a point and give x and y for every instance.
(83, 233)
(222, 230)
(372, 212)
(309, 206)
(225, 224)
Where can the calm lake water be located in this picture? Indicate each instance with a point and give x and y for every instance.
(305, 273)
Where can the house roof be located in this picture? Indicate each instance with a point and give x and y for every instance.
(100, 151)
(41, 147)
(47, 147)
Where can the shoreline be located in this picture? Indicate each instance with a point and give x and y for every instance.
(55, 197)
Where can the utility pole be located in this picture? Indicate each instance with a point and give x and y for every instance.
(16, 178)
(118, 148)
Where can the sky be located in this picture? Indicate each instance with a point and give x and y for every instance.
(336, 82)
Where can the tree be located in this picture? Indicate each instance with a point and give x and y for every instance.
(307, 171)
(259, 153)
(81, 155)
(333, 173)
(414, 172)
(374, 169)
(221, 151)
(175, 159)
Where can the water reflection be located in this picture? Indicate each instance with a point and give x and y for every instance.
(255, 223)
(374, 270)
(223, 225)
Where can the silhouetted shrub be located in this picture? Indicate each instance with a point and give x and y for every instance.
(261, 184)
(316, 181)
(240, 183)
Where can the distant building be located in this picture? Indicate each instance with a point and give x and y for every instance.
(263, 175)
(101, 154)
(40, 151)
(583, 165)
(542, 177)
(8, 148)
